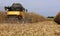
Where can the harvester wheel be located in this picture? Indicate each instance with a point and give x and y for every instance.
(21, 19)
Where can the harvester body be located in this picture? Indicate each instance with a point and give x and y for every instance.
(16, 10)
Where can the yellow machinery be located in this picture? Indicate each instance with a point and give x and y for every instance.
(16, 10)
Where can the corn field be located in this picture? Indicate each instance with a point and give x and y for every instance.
(38, 26)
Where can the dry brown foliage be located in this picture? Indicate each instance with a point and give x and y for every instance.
(35, 17)
(2, 15)
(57, 18)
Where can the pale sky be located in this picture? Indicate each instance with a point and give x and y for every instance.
(42, 7)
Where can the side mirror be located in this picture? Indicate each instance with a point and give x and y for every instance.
(6, 8)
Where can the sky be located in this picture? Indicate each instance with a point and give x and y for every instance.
(42, 7)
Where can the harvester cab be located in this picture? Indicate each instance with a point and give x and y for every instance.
(16, 10)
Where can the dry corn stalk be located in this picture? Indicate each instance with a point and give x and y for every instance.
(57, 18)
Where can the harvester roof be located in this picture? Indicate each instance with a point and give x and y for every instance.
(16, 5)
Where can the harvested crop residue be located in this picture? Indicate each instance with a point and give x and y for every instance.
(47, 28)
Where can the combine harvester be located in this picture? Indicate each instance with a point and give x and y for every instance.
(15, 12)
